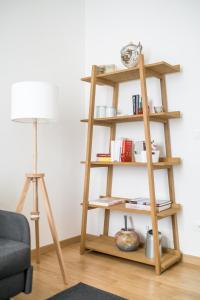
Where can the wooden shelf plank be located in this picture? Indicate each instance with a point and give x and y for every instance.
(152, 70)
(162, 164)
(105, 244)
(155, 117)
(121, 207)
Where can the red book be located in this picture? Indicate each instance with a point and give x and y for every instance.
(127, 150)
(103, 155)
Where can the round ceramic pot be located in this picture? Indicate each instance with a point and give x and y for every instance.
(127, 240)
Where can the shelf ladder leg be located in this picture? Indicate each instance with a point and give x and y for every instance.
(149, 164)
(110, 168)
(88, 158)
(170, 170)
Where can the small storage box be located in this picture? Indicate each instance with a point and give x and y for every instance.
(142, 157)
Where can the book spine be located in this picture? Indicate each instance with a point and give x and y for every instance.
(133, 149)
(112, 150)
(116, 150)
(134, 104)
(164, 207)
(126, 154)
(137, 206)
(140, 106)
(137, 104)
(101, 158)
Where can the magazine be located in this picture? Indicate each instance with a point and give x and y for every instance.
(107, 201)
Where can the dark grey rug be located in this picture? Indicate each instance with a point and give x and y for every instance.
(83, 291)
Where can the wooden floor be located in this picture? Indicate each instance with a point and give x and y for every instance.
(124, 278)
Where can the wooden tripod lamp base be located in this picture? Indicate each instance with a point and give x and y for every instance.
(38, 182)
(35, 102)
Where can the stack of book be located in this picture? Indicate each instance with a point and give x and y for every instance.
(103, 157)
(137, 104)
(104, 202)
(144, 204)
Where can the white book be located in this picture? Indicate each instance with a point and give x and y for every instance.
(112, 154)
(107, 201)
(116, 150)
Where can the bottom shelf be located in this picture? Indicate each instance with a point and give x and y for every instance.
(105, 244)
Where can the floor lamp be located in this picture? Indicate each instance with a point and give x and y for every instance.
(35, 102)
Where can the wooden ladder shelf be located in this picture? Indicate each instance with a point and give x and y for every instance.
(104, 243)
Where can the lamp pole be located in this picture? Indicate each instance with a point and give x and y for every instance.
(35, 192)
(35, 150)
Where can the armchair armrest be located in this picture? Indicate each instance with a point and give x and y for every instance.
(14, 226)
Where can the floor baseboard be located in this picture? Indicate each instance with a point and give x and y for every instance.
(51, 247)
(190, 259)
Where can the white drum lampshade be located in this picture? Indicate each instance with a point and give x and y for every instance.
(33, 101)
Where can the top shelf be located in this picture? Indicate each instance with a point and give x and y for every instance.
(151, 70)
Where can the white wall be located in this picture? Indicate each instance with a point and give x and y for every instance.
(169, 31)
(43, 40)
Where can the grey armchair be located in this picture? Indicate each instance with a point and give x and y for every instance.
(15, 258)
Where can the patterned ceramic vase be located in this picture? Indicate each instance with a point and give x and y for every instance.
(129, 54)
(127, 240)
